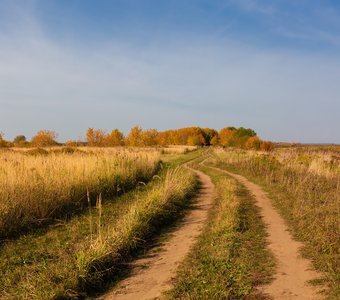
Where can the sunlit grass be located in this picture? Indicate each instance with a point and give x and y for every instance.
(304, 184)
(36, 187)
(77, 257)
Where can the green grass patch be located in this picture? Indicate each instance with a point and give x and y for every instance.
(171, 160)
(230, 258)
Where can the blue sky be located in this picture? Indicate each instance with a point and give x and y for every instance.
(274, 66)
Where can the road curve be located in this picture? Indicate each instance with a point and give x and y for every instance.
(152, 275)
(293, 272)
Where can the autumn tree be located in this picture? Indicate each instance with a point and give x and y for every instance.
(194, 136)
(242, 132)
(90, 139)
(44, 138)
(20, 141)
(163, 138)
(95, 137)
(195, 140)
(226, 136)
(135, 136)
(115, 138)
(214, 141)
(253, 142)
(149, 137)
(3, 143)
(209, 134)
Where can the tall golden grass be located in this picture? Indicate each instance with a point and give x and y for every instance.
(71, 260)
(39, 185)
(162, 203)
(317, 161)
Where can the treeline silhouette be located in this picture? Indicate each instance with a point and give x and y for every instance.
(138, 137)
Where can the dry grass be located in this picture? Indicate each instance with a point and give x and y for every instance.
(317, 161)
(305, 185)
(39, 185)
(169, 150)
(74, 259)
(161, 204)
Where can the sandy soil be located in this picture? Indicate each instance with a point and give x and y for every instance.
(293, 272)
(152, 275)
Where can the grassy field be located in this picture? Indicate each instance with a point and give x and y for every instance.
(37, 186)
(77, 255)
(230, 259)
(71, 218)
(304, 184)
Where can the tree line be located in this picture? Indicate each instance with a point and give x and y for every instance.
(138, 137)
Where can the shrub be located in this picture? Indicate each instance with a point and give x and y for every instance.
(44, 138)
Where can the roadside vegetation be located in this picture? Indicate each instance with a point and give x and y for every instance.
(37, 186)
(71, 217)
(75, 258)
(304, 184)
(230, 258)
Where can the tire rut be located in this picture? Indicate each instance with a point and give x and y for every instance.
(293, 272)
(152, 275)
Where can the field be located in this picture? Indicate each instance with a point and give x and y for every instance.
(74, 221)
(37, 187)
(304, 184)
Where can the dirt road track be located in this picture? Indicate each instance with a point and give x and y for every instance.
(152, 275)
(293, 272)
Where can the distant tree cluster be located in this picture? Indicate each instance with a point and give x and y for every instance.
(241, 137)
(98, 137)
(192, 136)
(44, 138)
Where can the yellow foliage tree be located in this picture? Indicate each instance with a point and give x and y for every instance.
(226, 136)
(253, 143)
(95, 137)
(44, 138)
(149, 137)
(3, 143)
(135, 137)
(115, 138)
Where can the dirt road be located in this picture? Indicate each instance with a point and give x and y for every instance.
(293, 272)
(152, 275)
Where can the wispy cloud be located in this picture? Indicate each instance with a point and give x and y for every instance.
(168, 82)
(316, 22)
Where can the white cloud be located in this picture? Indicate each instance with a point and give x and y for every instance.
(169, 83)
